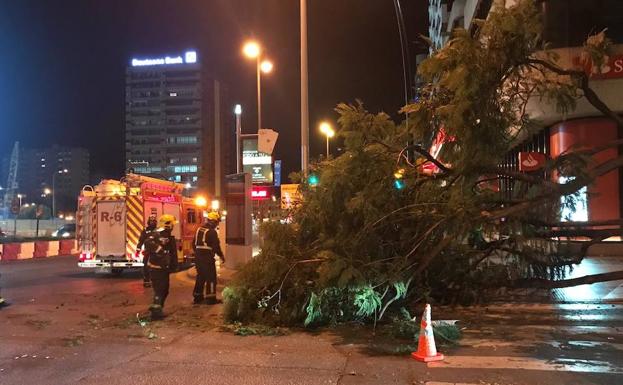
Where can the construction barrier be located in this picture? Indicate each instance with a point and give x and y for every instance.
(27, 251)
(41, 249)
(37, 249)
(66, 246)
(53, 249)
(10, 251)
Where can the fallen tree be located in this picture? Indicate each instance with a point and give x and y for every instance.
(361, 244)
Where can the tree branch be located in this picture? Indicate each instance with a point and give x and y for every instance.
(428, 157)
(537, 283)
(583, 79)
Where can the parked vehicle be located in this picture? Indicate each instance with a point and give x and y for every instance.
(112, 215)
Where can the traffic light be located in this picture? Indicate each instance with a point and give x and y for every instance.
(399, 183)
(313, 180)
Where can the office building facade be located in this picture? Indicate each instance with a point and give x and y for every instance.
(179, 122)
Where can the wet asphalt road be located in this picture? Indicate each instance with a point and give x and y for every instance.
(68, 325)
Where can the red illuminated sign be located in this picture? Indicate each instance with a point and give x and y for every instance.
(430, 168)
(611, 69)
(259, 193)
(531, 161)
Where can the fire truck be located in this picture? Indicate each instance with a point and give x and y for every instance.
(112, 215)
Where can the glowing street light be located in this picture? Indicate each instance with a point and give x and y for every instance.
(327, 130)
(201, 201)
(266, 66)
(253, 50)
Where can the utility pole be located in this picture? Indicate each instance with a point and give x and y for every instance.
(304, 92)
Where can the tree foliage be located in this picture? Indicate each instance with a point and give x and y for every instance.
(358, 246)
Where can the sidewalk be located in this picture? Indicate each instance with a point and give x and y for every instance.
(606, 292)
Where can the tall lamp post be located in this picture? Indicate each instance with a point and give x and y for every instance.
(238, 113)
(327, 130)
(63, 171)
(253, 50)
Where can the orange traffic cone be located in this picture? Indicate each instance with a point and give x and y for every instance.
(426, 349)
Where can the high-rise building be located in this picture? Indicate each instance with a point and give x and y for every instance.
(179, 122)
(61, 170)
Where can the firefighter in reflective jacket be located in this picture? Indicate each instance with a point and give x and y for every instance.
(160, 244)
(151, 226)
(206, 245)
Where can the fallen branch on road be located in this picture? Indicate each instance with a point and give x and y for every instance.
(536, 283)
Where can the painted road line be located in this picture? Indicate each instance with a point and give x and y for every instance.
(571, 330)
(541, 307)
(526, 363)
(497, 343)
(450, 383)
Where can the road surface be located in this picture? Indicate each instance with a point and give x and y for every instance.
(67, 325)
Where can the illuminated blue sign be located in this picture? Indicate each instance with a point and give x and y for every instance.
(189, 57)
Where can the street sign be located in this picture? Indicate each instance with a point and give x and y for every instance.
(39, 212)
(277, 173)
(15, 206)
(266, 140)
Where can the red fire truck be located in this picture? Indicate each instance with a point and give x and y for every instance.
(111, 216)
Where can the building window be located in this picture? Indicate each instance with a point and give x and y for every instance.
(185, 168)
(574, 207)
(182, 140)
(191, 216)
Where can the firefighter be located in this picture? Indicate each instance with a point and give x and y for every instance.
(206, 245)
(151, 226)
(162, 250)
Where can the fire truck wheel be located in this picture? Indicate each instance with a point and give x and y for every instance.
(116, 272)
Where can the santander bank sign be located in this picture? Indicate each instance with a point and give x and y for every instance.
(611, 69)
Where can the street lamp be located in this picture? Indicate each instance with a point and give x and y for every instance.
(20, 196)
(238, 113)
(327, 130)
(253, 50)
(63, 171)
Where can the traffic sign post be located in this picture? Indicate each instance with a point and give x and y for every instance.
(39, 214)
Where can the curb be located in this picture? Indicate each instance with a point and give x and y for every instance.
(37, 249)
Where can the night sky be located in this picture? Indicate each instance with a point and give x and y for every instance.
(62, 64)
